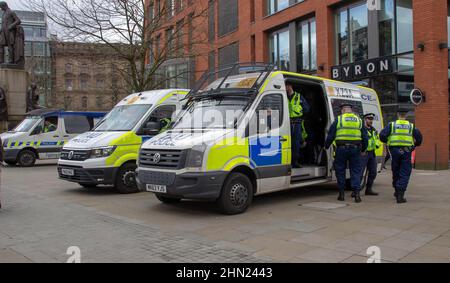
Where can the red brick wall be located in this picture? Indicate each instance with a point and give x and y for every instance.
(431, 75)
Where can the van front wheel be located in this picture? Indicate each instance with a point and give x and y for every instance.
(26, 158)
(126, 179)
(237, 194)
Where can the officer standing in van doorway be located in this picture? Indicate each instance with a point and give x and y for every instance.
(351, 140)
(369, 160)
(298, 107)
(402, 137)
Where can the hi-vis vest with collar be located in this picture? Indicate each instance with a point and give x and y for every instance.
(402, 133)
(295, 106)
(349, 128)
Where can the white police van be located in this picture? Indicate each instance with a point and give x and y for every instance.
(107, 155)
(233, 142)
(43, 133)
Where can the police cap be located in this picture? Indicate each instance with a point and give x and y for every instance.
(370, 116)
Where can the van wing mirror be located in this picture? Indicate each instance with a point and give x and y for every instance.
(151, 128)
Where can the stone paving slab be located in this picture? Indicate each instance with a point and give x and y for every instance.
(43, 216)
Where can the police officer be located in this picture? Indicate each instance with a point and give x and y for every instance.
(402, 137)
(298, 107)
(164, 124)
(351, 140)
(369, 160)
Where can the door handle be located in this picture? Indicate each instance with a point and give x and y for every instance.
(283, 140)
(56, 136)
(67, 136)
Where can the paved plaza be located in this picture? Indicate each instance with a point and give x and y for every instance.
(43, 216)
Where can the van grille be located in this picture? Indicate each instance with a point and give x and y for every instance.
(163, 159)
(75, 155)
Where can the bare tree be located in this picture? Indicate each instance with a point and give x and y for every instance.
(146, 36)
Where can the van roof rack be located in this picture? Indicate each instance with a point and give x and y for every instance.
(222, 75)
(45, 112)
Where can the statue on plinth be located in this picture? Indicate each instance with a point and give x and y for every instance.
(12, 36)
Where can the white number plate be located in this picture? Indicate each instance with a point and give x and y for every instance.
(156, 189)
(68, 172)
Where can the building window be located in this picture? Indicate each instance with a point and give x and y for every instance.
(84, 83)
(306, 46)
(39, 49)
(228, 55)
(228, 16)
(84, 102)
(352, 34)
(279, 49)
(69, 68)
(274, 6)
(99, 102)
(387, 27)
(69, 84)
(177, 76)
(170, 6)
(84, 69)
(100, 84)
(405, 40)
(211, 21)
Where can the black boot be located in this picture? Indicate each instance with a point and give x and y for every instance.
(401, 198)
(370, 192)
(341, 196)
(358, 197)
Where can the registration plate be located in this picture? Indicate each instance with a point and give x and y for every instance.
(156, 189)
(68, 172)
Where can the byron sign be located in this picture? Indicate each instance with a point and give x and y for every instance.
(417, 97)
(363, 69)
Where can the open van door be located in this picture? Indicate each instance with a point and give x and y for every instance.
(339, 93)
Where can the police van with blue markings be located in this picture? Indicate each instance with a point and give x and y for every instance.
(43, 133)
(233, 140)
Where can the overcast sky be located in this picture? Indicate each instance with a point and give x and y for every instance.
(16, 4)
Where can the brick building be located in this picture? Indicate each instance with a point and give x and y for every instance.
(85, 77)
(392, 46)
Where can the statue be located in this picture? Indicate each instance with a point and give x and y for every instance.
(3, 105)
(33, 98)
(12, 36)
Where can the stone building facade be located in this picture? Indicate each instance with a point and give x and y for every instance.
(85, 77)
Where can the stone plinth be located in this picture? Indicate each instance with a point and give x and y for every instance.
(14, 82)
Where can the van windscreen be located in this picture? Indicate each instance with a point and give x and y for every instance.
(214, 113)
(26, 125)
(123, 118)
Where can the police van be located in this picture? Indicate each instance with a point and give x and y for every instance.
(107, 155)
(247, 152)
(43, 134)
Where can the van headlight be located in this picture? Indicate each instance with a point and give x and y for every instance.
(103, 151)
(195, 157)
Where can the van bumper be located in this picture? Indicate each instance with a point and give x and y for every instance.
(196, 186)
(10, 155)
(97, 176)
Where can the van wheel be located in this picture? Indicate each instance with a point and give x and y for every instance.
(26, 158)
(88, 186)
(236, 195)
(126, 179)
(168, 200)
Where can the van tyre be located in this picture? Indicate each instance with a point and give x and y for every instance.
(168, 200)
(26, 158)
(126, 179)
(236, 195)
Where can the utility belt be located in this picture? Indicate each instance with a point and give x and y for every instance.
(348, 144)
(297, 120)
(407, 149)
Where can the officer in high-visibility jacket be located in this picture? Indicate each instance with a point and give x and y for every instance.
(298, 108)
(164, 124)
(402, 137)
(369, 160)
(350, 137)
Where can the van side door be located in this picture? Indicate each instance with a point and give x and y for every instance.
(269, 146)
(47, 136)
